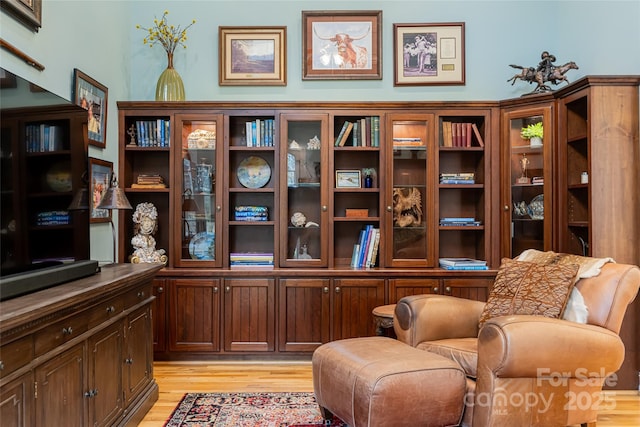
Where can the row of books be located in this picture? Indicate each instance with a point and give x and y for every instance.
(151, 180)
(260, 133)
(251, 259)
(458, 178)
(153, 133)
(458, 134)
(52, 218)
(251, 213)
(365, 132)
(365, 252)
(463, 264)
(43, 138)
(459, 221)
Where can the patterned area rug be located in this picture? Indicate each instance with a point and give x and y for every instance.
(248, 410)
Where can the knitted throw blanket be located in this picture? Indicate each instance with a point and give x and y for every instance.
(588, 266)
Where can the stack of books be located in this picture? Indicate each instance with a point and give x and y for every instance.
(463, 264)
(251, 259)
(49, 218)
(459, 221)
(458, 178)
(149, 181)
(251, 213)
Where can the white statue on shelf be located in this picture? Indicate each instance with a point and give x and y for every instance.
(145, 219)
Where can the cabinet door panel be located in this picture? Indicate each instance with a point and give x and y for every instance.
(399, 288)
(304, 314)
(249, 320)
(194, 315)
(138, 369)
(60, 382)
(105, 373)
(159, 315)
(474, 289)
(16, 404)
(354, 301)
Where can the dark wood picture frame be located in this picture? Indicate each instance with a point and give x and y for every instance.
(28, 12)
(252, 56)
(342, 45)
(429, 54)
(93, 97)
(100, 173)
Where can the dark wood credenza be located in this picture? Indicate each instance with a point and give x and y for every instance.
(80, 353)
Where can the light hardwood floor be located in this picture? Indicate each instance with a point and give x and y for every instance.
(177, 378)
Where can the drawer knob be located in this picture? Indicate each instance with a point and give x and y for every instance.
(111, 309)
(325, 289)
(128, 361)
(338, 289)
(67, 331)
(435, 289)
(227, 288)
(160, 290)
(448, 289)
(1, 366)
(215, 289)
(141, 294)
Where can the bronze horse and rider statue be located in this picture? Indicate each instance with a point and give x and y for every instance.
(545, 72)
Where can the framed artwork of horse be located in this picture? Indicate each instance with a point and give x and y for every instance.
(429, 54)
(341, 45)
(252, 56)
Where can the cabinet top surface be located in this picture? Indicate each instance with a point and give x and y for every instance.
(111, 280)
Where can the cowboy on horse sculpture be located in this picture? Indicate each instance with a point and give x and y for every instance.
(546, 72)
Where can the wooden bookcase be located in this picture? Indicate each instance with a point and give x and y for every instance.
(310, 294)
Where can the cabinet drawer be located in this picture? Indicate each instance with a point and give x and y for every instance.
(60, 332)
(15, 355)
(105, 311)
(137, 295)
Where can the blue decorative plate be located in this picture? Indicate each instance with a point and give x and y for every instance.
(253, 172)
(202, 246)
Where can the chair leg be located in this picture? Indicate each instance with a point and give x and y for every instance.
(327, 416)
(591, 424)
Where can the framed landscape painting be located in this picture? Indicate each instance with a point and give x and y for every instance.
(341, 45)
(429, 54)
(253, 56)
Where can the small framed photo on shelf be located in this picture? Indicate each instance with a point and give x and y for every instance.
(429, 54)
(348, 179)
(92, 96)
(253, 56)
(341, 45)
(100, 172)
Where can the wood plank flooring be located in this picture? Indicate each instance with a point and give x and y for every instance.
(177, 378)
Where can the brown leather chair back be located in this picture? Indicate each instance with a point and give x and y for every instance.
(608, 294)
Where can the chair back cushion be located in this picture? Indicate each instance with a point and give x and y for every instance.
(608, 294)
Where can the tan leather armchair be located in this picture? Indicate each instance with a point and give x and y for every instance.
(527, 370)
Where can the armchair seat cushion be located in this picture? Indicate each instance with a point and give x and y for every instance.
(463, 351)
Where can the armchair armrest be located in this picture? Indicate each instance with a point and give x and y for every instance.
(420, 318)
(535, 346)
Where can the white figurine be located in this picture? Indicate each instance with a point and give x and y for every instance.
(145, 219)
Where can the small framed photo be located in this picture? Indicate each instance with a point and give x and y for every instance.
(92, 96)
(253, 56)
(429, 54)
(348, 179)
(100, 172)
(341, 45)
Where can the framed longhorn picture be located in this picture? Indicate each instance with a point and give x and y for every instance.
(341, 45)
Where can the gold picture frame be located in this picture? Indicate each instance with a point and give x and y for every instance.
(252, 56)
(342, 45)
(429, 54)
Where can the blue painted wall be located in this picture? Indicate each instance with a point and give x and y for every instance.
(99, 37)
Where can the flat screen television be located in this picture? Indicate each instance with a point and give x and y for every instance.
(43, 164)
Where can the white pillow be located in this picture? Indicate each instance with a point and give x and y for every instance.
(576, 310)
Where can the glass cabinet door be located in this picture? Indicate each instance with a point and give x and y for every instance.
(410, 236)
(304, 148)
(528, 197)
(198, 239)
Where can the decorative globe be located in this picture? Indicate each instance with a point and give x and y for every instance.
(58, 177)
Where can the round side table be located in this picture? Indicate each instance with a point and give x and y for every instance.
(383, 319)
